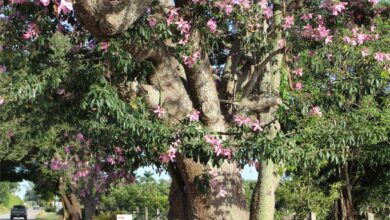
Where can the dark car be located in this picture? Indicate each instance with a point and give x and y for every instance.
(19, 211)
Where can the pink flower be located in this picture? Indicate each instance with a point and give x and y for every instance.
(212, 140)
(110, 160)
(227, 153)
(188, 61)
(194, 116)
(268, 13)
(298, 86)
(31, 32)
(281, 43)
(1, 100)
(241, 120)
(365, 52)
(164, 158)
(183, 26)
(66, 6)
(228, 9)
(374, 1)
(350, 41)
(159, 111)
(222, 192)
(172, 153)
(298, 71)
(3, 69)
(152, 21)
(104, 45)
(361, 38)
(256, 126)
(316, 111)
(321, 32)
(328, 39)
(307, 17)
(263, 4)
(45, 2)
(379, 56)
(80, 137)
(118, 150)
(288, 22)
(338, 8)
(245, 3)
(212, 25)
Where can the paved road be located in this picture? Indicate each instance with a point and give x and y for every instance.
(31, 215)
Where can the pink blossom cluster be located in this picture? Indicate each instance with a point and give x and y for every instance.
(225, 5)
(66, 6)
(45, 2)
(298, 86)
(118, 158)
(170, 155)
(212, 25)
(288, 22)
(159, 111)
(359, 38)
(194, 116)
(216, 185)
(31, 32)
(81, 173)
(241, 120)
(318, 34)
(181, 25)
(219, 149)
(336, 7)
(316, 111)
(374, 2)
(298, 72)
(58, 165)
(104, 45)
(152, 21)
(380, 56)
(189, 61)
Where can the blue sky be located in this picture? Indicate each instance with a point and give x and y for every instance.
(248, 173)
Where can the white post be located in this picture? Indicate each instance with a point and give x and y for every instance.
(313, 216)
(370, 216)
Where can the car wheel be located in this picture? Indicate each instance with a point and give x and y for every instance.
(12, 218)
(25, 217)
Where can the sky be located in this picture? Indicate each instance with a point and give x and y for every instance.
(248, 173)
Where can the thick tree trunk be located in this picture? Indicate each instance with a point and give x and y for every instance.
(178, 97)
(267, 183)
(89, 208)
(72, 208)
(268, 180)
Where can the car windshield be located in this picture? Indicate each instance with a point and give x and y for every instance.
(19, 207)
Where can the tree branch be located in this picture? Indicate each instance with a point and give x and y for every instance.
(249, 89)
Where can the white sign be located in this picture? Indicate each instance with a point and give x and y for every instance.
(124, 217)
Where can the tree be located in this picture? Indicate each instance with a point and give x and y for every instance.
(143, 80)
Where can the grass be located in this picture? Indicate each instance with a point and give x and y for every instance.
(47, 216)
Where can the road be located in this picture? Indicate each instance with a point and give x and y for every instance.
(31, 215)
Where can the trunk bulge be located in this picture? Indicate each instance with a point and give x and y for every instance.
(72, 209)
